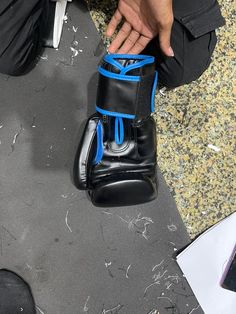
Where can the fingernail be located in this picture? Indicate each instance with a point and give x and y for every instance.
(171, 52)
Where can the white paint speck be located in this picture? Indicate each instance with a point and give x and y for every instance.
(116, 308)
(154, 268)
(107, 213)
(14, 139)
(39, 310)
(85, 309)
(151, 285)
(195, 308)
(154, 311)
(75, 43)
(172, 227)
(66, 221)
(126, 275)
(107, 264)
(28, 266)
(166, 298)
(65, 18)
(74, 51)
(173, 278)
(168, 285)
(213, 147)
(44, 57)
(162, 91)
(159, 275)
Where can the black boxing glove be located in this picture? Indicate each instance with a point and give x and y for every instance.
(116, 157)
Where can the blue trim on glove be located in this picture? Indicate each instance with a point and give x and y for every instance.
(119, 130)
(137, 65)
(111, 59)
(99, 152)
(115, 114)
(154, 92)
(118, 76)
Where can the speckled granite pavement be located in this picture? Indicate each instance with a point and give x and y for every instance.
(196, 131)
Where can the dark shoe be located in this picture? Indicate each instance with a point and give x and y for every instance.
(15, 294)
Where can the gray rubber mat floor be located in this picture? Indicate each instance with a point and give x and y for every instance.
(78, 258)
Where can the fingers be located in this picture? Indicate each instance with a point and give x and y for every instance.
(140, 44)
(129, 42)
(122, 35)
(132, 43)
(114, 22)
(164, 39)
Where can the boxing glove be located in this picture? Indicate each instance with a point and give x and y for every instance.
(116, 157)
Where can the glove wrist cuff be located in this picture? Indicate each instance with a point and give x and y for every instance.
(128, 93)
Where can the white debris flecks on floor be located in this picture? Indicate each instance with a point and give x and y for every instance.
(85, 309)
(44, 57)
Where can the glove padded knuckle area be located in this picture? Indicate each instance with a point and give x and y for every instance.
(124, 190)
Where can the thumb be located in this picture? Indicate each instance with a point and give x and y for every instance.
(164, 39)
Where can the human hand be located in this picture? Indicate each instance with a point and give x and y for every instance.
(143, 20)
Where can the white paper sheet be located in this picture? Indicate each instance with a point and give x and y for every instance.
(203, 263)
